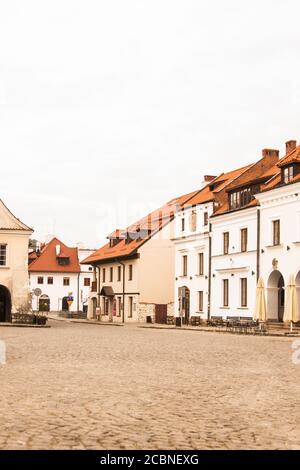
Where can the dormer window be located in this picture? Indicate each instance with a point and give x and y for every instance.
(242, 196)
(288, 174)
(63, 261)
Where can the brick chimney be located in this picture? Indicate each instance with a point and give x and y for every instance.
(290, 146)
(270, 153)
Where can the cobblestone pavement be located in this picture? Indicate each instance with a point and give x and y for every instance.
(77, 386)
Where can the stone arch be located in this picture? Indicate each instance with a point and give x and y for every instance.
(5, 304)
(276, 296)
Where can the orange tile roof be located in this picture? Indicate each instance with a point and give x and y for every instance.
(47, 260)
(274, 173)
(151, 223)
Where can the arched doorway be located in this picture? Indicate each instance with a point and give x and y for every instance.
(5, 304)
(44, 303)
(276, 296)
(184, 304)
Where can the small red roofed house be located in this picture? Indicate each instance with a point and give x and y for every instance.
(64, 284)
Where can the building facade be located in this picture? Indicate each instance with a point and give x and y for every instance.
(253, 230)
(14, 281)
(63, 284)
(134, 272)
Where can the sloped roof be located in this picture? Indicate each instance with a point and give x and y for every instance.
(48, 260)
(8, 221)
(152, 222)
(274, 174)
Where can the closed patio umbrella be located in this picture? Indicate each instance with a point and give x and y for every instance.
(260, 311)
(291, 313)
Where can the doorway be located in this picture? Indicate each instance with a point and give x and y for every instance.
(5, 304)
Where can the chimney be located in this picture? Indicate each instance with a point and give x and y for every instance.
(57, 248)
(208, 178)
(290, 146)
(160, 218)
(270, 153)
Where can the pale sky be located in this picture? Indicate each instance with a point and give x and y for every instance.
(108, 109)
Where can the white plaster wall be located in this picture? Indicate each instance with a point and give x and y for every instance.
(235, 265)
(191, 243)
(283, 204)
(14, 275)
(57, 291)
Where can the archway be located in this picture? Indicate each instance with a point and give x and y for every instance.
(276, 296)
(44, 303)
(184, 303)
(5, 304)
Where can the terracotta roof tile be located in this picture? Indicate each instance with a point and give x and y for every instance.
(47, 260)
(150, 224)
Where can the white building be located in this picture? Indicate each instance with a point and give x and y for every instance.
(279, 222)
(226, 246)
(14, 281)
(63, 283)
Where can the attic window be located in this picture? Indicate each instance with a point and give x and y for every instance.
(63, 261)
(288, 174)
(243, 196)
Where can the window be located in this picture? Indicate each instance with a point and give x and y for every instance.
(111, 274)
(243, 196)
(103, 275)
(119, 273)
(87, 281)
(244, 292)
(40, 280)
(288, 174)
(225, 243)
(130, 272)
(130, 309)
(200, 301)
(119, 306)
(225, 292)
(200, 264)
(63, 261)
(50, 280)
(276, 232)
(184, 265)
(244, 239)
(3, 249)
(205, 218)
(183, 224)
(66, 281)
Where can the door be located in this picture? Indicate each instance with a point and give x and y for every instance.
(65, 305)
(161, 311)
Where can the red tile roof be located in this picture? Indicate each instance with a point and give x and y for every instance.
(274, 174)
(47, 261)
(148, 225)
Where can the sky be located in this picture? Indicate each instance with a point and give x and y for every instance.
(109, 109)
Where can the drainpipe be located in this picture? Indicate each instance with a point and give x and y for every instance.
(258, 246)
(209, 273)
(99, 285)
(78, 285)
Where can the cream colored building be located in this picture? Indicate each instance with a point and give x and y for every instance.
(14, 280)
(134, 272)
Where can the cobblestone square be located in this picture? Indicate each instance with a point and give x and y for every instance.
(77, 386)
